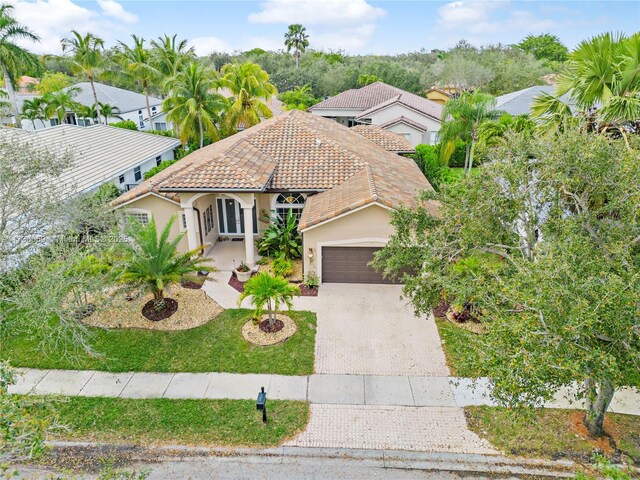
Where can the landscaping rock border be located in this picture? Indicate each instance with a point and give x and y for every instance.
(252, 333)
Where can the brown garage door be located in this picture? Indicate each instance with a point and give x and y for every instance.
(349, 265)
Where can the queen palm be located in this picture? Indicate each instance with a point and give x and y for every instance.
(461, 118)
(192, 105)
(35, 109)
(170, 55)
(153, 262)
(86, 57)
(250, 87)
(109, 111)
(268, 291)
(297, 39)
(137, 62)
(13, 58)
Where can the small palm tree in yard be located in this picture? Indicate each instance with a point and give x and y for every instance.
(270, 291)
(153, 262)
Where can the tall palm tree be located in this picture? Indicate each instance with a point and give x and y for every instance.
(137, 63)
(297, 39)
(109, 111)
(270, 291)
(59, 103)
(192, 105)
(86, 57)
(170, 55)
(461, 118)
(86, 112)
(250, 87)
(153, 262)
(602, 78)
(13, 58)
(35, 109)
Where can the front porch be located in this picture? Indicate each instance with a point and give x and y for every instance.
(228, 254)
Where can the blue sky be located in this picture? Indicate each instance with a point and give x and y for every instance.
(357, 26)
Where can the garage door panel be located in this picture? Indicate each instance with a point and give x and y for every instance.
(349, 265)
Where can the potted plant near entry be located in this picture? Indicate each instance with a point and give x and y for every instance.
(243, 272)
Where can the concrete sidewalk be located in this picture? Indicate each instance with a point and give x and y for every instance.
(415, 391)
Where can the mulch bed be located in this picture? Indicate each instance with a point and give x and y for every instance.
(304, 290)
(277, 326)
(192, 285)
(150, 312)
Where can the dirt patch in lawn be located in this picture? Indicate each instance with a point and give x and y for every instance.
(255, 332)
(151, 310)
(194, 308)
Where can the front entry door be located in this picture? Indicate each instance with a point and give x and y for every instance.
(231, 217)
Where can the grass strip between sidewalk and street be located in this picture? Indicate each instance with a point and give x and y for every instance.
(228, 423)
(217, 346)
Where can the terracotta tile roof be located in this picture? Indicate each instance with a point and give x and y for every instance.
(391, 141)
(408, 121)
(416, 102)
(295, 151)
(361, 98)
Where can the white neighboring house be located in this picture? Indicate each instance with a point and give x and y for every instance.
(520, 101)
(103, 154)
(132, 106)
(416, 118)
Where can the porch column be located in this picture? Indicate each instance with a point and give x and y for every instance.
(192, 237)
(248, 234)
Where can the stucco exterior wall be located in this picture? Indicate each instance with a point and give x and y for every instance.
(394, 111)
(370, 226)
(415, 136)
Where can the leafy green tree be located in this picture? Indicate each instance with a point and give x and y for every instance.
(462, 117)
(270, 291)
(296, 39)
(86, 57)
(300, 98)
(192, 104)
(153, 262)
(602, 78)
(13, 58)
(545, 47)
(35, 109)
(543, 245)
(170, 55)
(53, 82)
(128, 124)
(138, 63)
(366, 79)
(250, 87)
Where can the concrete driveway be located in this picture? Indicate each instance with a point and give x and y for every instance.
(370, 330)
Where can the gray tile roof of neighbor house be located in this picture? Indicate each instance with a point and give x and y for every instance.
(125, 100)
(101, 153)
(520, 101)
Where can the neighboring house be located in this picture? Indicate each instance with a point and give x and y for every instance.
(102, 154)
(416, 118)
(520, 101)
(442, 95)
(339, 184)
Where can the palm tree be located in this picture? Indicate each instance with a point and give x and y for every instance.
(270, 291)
(461, 118)
(492, 132)
(250, 87)
(13, 58)
(86, 57)
(85, 112)
(35, 109)
(602, 78)
(59, 103)
(191, 105)
(297, 39)
(170, 55)
(137, 63)
(153, 262)
(109, 111)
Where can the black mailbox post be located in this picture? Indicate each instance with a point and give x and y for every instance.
(261, 404)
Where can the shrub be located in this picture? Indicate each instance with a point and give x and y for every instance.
(457, 157)
(158, 169)
(281, 237)
(312, 280)
(126, 124)
(428, 160)
(281, 266)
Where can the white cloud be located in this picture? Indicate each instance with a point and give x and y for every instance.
(115, 10)
(206, 45)
(466, 13)
(52, 20)
(349, 39)
(317, 12)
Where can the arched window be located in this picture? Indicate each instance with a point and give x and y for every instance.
(286, 202)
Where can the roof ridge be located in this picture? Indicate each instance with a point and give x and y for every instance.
(372, 183)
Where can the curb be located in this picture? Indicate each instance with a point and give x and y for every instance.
(390, 459)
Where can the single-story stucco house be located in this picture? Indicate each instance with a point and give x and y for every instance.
(341, 185)
(416, 118)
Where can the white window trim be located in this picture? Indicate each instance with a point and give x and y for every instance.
(139, 211)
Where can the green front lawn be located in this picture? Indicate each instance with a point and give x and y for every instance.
(460, 349)
(552, 433)
(196, 422)
(217, 346)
